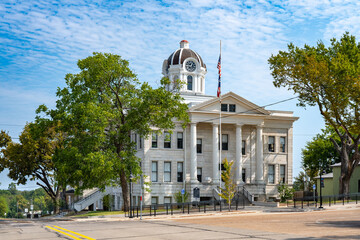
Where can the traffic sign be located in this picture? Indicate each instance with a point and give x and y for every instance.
(182, 191)
(314, 186)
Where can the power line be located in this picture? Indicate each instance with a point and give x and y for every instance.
(260, 107)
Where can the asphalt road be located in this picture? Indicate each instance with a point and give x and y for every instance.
(329, 224)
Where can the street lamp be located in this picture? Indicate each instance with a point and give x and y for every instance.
(131, 176)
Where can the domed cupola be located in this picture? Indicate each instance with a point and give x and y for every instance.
(187, 66)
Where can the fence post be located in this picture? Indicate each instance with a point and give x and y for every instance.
(155, 210)
(167, 209)
(334, 200)
(294, 203)
(188, 208)
(215, 205)
(171, 206)
(183, 207)
(329, 201)
(137, 211)
(220, 206)
(150, 210)
(302, 203)
(343, 199)
(199, 206)
(204, 208)
(356, 198)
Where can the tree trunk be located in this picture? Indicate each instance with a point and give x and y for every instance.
(125, 190)
(56, 202)
(344, 184)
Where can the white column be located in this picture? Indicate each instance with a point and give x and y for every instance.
(238, 158)
(116, 202)
(259, 155)
(215, 148)
(193, 154)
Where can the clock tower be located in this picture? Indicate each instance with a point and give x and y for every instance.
(185, 66)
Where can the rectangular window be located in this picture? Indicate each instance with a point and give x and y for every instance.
(199, 145)
(199, 174)
(154, 200)
(282, 144)
(232, 108)
(243, 145)
(154, 171)
(167, 200)
(167, 140)
(224, 107)
(180, 171)
(271, 144)
(140, 142)
(180, 140)
(154, 140)
(243, 174)
(271, 174)
(167, 171)
(282, 173)
(225, 142)
(135, 141)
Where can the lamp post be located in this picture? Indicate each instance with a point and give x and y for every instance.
(130, 215)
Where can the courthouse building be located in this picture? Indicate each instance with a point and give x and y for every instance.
(259, 141)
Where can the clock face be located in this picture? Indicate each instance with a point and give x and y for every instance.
(190, 66)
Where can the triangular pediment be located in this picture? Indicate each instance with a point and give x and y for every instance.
(243, 106)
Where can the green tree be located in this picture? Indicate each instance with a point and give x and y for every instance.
(227, 176)
(285, 192)
(100, 109)
(3, 207)
(32, 158)
(320, 154)
(327, 77)
(181, 198)
(12, 188)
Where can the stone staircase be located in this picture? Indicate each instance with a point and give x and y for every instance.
(91, 198)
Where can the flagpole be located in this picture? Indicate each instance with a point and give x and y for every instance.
(220, 138)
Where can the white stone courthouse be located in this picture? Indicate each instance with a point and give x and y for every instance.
(259, 141)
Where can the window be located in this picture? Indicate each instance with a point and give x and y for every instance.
(225, 141)
(154, 140)
(140, 142)
(271, 174)
(135, 140)
(199, 174)
(167, 140)
(243, 144)
(167, 200)
(243, 174)
(189, 83)
(154, 171)
(228, 107)
(199, 145)
(180, 172)
(232, 108)
(180, 140)
(271, 144)
(167, 172)
(282, 173)
(282, 144)
(154, 200)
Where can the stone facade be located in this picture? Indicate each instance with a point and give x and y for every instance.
(259, 141)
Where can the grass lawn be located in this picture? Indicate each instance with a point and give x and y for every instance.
(98, 213)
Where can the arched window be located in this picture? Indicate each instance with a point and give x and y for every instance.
(189, 83)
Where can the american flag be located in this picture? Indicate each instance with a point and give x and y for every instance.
(219, 85)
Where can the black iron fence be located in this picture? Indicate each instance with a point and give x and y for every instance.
(328, 200)
(187, 208)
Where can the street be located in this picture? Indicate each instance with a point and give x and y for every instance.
(329, 224)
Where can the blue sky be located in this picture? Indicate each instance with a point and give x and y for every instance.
(41, 41)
